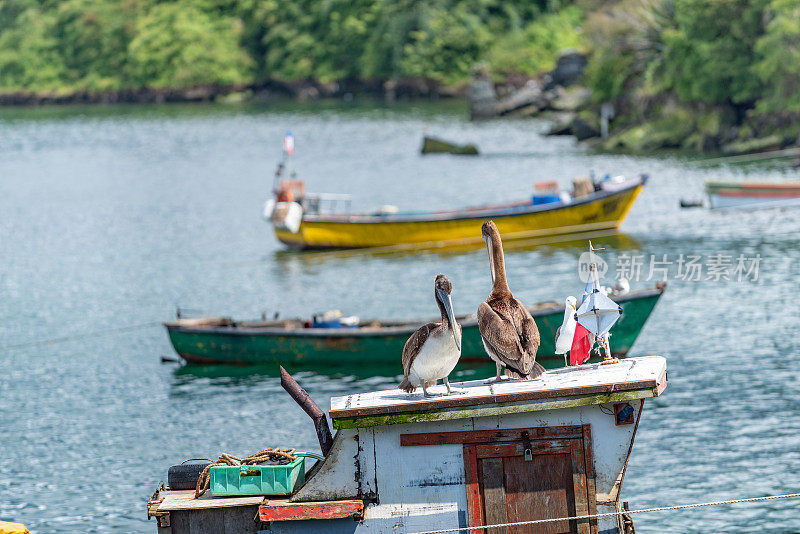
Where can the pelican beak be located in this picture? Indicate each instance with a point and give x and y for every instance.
(491, 256)
(447, 302)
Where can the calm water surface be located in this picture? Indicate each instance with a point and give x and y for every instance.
(110, 217)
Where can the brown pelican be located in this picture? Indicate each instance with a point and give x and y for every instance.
(509, 333)
(433, 350)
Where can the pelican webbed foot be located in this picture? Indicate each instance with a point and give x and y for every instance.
(452, 391)
(499, 377)
(497, 380)
(429, 395)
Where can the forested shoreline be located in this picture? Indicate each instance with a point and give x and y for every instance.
(108, 45)
(696, 74)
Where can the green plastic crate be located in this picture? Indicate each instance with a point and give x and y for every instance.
(228, 480)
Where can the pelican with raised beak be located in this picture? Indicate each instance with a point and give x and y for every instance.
(432, 352)
(509, 334)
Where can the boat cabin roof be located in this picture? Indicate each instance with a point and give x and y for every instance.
(631, 378)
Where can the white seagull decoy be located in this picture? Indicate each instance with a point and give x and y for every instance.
(566, 332)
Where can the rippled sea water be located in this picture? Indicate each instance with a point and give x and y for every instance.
(111, 217)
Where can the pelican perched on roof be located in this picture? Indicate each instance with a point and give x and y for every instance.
(508, 331)
(433, 350)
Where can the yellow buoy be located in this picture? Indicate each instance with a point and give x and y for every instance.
(12, 528)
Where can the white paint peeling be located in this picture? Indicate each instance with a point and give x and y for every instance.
(336, 477)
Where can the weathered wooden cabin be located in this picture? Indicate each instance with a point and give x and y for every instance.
(517, 451)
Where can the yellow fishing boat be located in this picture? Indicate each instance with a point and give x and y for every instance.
(593, 208)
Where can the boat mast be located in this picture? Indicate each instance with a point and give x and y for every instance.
(602, 339)
(279, 170)
(286, 150)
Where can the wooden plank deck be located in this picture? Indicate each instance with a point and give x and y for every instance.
(173, 500)
(631, 374)
(269, 509)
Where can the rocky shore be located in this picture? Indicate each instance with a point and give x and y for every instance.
(305, 90)
(620, 126)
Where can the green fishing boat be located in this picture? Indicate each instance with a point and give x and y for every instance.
(213, 340)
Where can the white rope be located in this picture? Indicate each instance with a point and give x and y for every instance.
(84, 335)
(785, 153)
(607, 514)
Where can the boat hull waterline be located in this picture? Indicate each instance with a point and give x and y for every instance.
(333, 347)
(602, 210)
(737, 195)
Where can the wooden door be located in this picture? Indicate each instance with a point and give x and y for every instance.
(526, 478)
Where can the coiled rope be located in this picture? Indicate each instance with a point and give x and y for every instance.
(264, 455)
(620, 512)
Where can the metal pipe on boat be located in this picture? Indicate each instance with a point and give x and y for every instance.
(308, 405)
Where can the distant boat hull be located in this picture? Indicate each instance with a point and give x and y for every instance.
(201, 341)
(735, 195)
(600, 211)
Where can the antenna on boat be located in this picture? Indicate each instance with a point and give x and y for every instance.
(592, 249)
(286, 151)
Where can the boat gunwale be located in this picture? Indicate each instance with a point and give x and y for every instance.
(763, 193)
(752, 185)
(483, 211)
(400, 329)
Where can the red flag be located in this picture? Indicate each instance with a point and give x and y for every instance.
(581, 346)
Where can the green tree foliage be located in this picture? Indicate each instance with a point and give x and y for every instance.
(447, 44)
(708, 54)
(310, 39)
(779, 50)
(735, 54)
(533, 48)
(29, 52)
(115, 44)
(179, 45)
(731, 68)
(380, 39)
(93, 37)
(625, 40)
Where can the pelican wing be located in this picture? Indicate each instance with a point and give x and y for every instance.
(528, 332)
(502, 338)
(414, 344)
